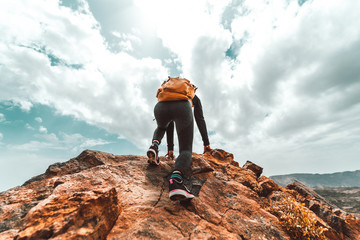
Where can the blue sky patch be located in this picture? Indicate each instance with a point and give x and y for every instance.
(21, 127)
(54, 60)
(301, 2)
(234, 49)
(41, 136)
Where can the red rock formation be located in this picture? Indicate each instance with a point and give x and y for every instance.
(101, 196)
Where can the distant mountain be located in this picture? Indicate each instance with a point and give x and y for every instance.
(339, 179)
(346, 198)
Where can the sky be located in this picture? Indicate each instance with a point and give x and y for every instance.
(279, 80)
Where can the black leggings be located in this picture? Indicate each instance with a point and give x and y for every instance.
(181, 113)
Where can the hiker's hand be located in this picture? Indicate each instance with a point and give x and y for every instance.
(207, 149)
(170, 155)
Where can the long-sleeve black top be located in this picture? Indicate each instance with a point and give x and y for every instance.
(200, 122)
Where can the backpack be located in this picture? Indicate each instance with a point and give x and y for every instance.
(175, 89)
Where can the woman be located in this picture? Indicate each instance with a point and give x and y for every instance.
(174, 106)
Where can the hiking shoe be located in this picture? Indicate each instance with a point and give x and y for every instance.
(153, 156)
(178, 190)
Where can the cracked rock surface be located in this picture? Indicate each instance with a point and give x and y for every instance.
(98, 195)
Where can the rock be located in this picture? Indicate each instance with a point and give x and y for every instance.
(89, 214)
(254, 168)
(102, 196)
(308, 193)
(267, 186)
(339, 227)
(223, 156)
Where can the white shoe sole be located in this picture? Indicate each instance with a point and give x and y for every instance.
(179, 194)
(151, 154)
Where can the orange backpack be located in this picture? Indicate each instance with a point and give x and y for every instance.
(175, 89)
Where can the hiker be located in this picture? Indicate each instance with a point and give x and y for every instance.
(201, 124)
(174, 105)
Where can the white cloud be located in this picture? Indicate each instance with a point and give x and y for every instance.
(2, 117)
(43, 129)
(33, 146)
(299, 71)
(285, 87)
(290, 80)
(126, 41)
(110, 90)
(1, 136)
(28, 126)
(73, 143)
(182, 25)
(38, 119)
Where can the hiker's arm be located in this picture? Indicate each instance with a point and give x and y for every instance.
(170, 136)
(200, 120)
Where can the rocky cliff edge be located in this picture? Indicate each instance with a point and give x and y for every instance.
(99, 195)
